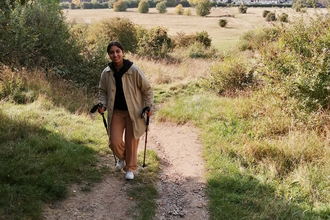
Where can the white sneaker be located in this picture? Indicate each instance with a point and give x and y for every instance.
(129, 175)
(120, 164)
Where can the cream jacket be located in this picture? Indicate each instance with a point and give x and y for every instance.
(138, 94)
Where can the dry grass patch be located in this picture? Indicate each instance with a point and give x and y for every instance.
(163, 72)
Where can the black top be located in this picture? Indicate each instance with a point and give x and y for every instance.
(120, 101)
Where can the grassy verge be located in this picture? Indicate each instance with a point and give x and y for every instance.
(143, 190)
(260, 165)
(43, 149)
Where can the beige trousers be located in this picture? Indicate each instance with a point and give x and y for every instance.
(123, 150)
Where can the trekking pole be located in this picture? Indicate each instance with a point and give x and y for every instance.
(147, 123)
(105, 124)
(145, 145)
(106, 127)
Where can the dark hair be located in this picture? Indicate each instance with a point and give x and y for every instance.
(115, 43)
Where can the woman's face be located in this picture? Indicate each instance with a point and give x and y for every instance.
(116, 55)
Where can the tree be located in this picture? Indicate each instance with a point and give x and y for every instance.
(143, 7)
(161, 7)
(179, 10)
(242, 9)
(223, 22)
(203, 8)
(119, 6)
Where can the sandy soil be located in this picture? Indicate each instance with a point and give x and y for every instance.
(181, 182)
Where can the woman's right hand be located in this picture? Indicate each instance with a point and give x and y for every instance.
(101, 110)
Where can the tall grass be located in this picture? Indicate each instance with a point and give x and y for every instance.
(43, 149)
(261, 164)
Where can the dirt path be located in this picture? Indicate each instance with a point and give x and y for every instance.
(181, 182)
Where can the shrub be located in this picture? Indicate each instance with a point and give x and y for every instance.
(283, 17)
(187, 12)
(119, 6)
(72, 6)
(242, 9)
(204, 38)
(197, 50)
(132, 3)
(86, 5)
(183, 40)
(223, 22)
(38, 36)
(231, 75)
(106, 30)
(179, 10)
(298, 62)
(203, 8)
(161, 7)
(253, 39)
(143, 7)
(154, 42)
(271, 16)
(110, 3)
(65, 5)
(265, 13)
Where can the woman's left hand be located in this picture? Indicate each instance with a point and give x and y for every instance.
(149, 113)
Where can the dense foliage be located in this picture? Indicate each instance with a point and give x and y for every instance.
(143, 7)
(203, 8)
(154, 42)
(161, 7)
(120, 6)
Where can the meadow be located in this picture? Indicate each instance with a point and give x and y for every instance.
(222, 38)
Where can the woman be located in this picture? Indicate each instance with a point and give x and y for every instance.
(125, 92)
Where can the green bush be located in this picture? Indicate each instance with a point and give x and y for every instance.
(182, 39)
(265, 13)
(231, 75)
(154, 42)
(204, 38)
(119, 6)
(72, 6)
(283, 17)
(161, 7)
(185, 40)
(86, 5)
(254, 39)
(271, 16)
(298, 63)
(65, 5)
(38, 36)
(179, 9)
(187, 12)
(121, 29)
(242, 9)
(110, 3)
(143, 7)
(223, 22)
(203, 8)
(198, 50)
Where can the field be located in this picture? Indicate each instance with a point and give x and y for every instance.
(222, 38)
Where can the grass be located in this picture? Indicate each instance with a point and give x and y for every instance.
(42, 155)
(259, 166)
(49, 142)
(143, 189)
